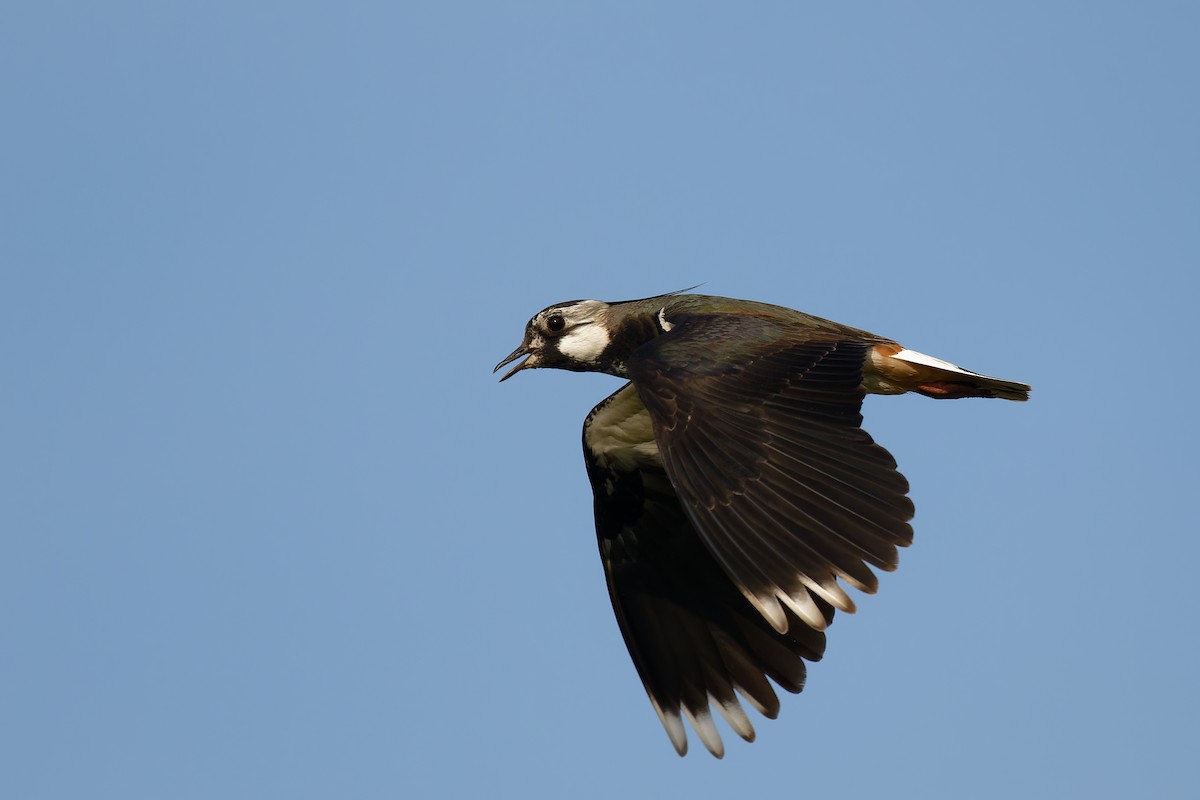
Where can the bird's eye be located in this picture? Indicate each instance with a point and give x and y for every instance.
(555, 323)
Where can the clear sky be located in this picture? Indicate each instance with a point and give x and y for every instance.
(270, 528)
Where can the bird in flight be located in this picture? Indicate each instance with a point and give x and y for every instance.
(734, 486)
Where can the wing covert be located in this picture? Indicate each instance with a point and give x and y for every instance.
(767, 457)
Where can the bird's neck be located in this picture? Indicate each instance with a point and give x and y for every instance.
(634, 330)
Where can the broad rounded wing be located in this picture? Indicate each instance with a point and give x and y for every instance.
(766, 455)
(691, 633)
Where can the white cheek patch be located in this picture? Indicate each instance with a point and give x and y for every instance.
(585, 342)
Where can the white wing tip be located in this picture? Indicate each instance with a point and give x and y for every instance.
(706, 729)
(802, 603)
(735, 716)
(768, 606)
(673, 724)
(832, 592)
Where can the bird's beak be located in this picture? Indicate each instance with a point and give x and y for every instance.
(523, 350)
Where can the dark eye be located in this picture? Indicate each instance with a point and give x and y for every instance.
(555, 323)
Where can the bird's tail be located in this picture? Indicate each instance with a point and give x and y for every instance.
(908, 370)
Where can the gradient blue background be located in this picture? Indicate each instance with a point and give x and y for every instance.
(271, 529)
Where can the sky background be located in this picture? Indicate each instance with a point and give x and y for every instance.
(270, 528)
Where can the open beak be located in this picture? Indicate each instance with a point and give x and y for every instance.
(523, 350)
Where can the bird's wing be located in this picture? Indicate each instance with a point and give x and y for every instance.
(692, 635)
(765, 453)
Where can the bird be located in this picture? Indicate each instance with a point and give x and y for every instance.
(736, 495)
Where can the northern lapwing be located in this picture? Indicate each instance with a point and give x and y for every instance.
(734, 487)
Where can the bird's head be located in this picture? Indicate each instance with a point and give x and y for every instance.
(572, 336)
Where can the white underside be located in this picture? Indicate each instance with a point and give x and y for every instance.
(913, 357)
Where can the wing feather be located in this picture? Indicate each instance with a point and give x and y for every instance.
(767, 456)
(731, 497)
(695, 638)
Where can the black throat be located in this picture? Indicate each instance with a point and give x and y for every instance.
(634, 330)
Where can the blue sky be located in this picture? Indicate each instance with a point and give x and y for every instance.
(271, 528)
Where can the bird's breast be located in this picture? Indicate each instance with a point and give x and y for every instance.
(620, 436)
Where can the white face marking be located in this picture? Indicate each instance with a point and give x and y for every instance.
(584, 343)
(585, 336)
(662, 319)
